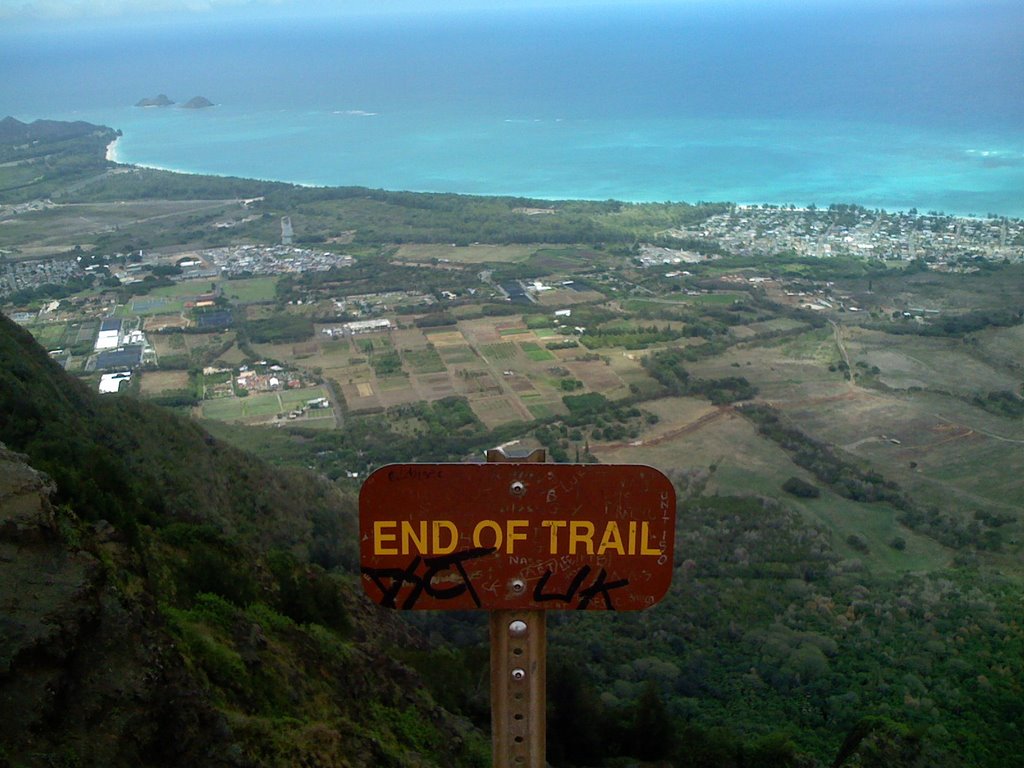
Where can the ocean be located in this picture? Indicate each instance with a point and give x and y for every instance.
(887, 105)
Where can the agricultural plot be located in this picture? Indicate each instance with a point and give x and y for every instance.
(360, 397)
(544, 410)
(157, 382)
(159, 322)
(475, 382)
(566, 297)
(457, 354)
(86, 332)
(596, 376)
(535, 351)
(495, 411)
(424, 360)
(445, 338)
(480, 332)
(499, 352)
(50, 335)
(168, 344)
(433, 386)
(394, 391)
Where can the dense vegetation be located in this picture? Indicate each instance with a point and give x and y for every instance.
(39, 159)
(223, 566)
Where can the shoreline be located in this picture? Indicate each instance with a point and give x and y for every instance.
(113, 155)
(542, 198)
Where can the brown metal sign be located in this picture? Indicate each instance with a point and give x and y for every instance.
(510, 536)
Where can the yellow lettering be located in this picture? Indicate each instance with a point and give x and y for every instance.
(644, 535)
(436, 527)
(581, 532)
(511, 536)
(410, 539)
(611, 539)
(632, 537)
(477, 539)
(555, 526)
(379, 537)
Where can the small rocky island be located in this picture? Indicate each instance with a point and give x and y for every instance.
(156, 101)
(196, 102)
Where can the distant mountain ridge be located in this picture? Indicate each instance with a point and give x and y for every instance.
(14, 130)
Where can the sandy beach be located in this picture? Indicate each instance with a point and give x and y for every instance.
(112, 151)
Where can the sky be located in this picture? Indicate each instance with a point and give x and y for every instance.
(63, 11)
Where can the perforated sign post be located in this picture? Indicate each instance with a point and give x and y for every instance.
(517, 537)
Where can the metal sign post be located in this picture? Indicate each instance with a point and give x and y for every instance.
(517, 537)
(519, 650)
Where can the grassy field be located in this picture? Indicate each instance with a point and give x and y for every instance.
(535, 351)
(425, 360)
(49, 335)
(63, 226)
(184, 290)
(264, 407)
(251, 290)
(470, 254)
(156, 382)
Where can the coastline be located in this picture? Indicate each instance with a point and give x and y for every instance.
(111, 155)
(114, 153)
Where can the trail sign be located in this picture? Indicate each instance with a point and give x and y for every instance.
(516, 536)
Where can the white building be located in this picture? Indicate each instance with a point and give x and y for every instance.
(110, 383)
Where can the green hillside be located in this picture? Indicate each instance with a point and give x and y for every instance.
(167, 601)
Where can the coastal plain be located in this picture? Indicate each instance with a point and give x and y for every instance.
(836, 395)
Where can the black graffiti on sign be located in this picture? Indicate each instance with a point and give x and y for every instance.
(599, 586)
(391, 581)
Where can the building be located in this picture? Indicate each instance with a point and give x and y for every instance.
(110, 383)
(109, 336)
(368, 326)
(128, 356)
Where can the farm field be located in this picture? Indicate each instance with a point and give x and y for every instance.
(267, 407)
(49, 335)
(156, 382)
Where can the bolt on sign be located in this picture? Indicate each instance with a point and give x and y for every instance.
(516, 536)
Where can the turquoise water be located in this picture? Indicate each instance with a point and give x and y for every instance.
(895, 111)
